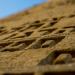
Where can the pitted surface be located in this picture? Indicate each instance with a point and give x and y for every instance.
(39, 41)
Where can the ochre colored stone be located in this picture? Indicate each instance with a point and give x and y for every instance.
(39, 40)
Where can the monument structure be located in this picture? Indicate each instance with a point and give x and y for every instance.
(39, 41)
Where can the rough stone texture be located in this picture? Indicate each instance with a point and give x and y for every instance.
(39, 41)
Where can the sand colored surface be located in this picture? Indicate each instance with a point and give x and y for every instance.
(39, 41)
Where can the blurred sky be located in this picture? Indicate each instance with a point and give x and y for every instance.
(8, 7)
